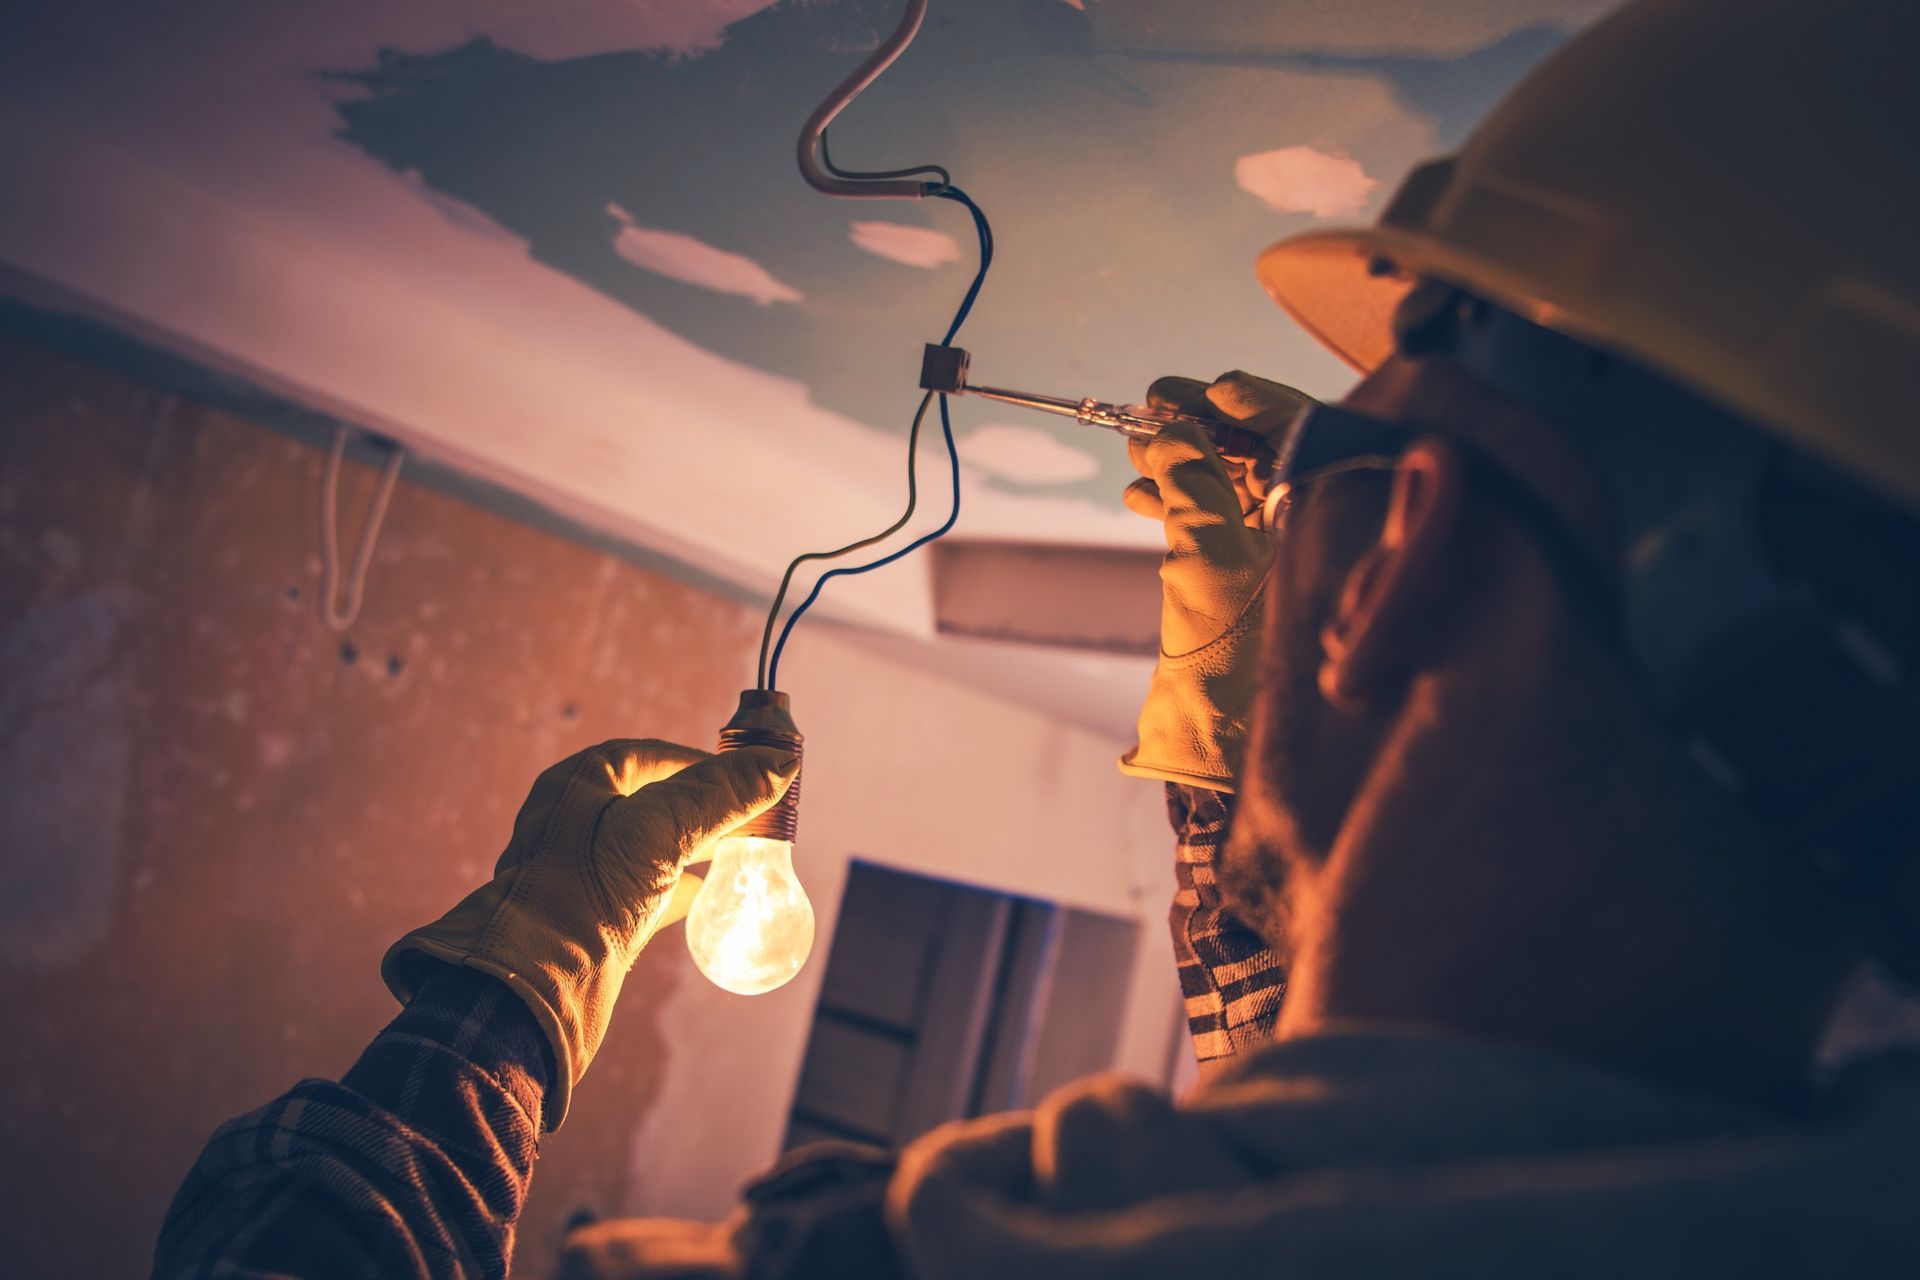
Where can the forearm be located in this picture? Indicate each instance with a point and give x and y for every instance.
(415, 1164)
(1231, 982)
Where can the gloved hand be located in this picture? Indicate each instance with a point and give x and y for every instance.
(1194, 722)
(595, 855)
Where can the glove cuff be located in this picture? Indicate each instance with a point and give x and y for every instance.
(410, 961)
(1220, 779)
(1193, 725)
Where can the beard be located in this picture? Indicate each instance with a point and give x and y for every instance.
(1306, 760)
(1284, 822)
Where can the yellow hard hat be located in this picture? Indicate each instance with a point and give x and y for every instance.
(1720, 190)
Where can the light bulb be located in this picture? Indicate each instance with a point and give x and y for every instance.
(751, 926)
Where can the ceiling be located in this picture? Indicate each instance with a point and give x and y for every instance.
(564, 250)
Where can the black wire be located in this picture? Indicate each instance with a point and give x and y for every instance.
(913, 435)
(768, 667)
(913, 500)
(985, 233)
(953, 516)
(881, 175)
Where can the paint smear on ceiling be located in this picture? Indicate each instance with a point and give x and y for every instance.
(679, 256)
(1306, 180)
(911, 246)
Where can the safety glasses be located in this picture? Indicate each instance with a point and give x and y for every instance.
(1326, 441)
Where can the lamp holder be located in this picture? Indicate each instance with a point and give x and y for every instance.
(765, 719)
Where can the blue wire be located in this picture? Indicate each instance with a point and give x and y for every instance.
(953, 457)
(985, 232)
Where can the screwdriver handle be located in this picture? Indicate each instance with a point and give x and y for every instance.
(1143, 422)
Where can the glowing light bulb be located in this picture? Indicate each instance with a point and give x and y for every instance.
(751, 927)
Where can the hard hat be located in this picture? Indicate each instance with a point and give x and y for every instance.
(1717, 189)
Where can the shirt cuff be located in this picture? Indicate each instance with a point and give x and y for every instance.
(474, 1018)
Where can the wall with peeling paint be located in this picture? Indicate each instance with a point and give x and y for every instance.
(216, 812)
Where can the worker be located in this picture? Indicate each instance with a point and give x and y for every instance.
(1556, 692)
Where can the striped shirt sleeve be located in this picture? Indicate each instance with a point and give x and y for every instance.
(1231, 982)
(416, 1163)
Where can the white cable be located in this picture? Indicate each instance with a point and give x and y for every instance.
(856, 186)
(342, 618)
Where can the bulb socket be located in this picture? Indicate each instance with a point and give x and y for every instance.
(765, 719)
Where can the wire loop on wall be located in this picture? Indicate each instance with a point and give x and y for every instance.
(335, 613)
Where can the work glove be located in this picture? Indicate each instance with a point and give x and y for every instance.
(1193, 726)
(596, 854)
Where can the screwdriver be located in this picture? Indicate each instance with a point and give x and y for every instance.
(944, 369)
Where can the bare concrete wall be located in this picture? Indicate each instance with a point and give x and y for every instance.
(215, 813)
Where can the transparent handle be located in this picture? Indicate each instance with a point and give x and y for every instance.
(1143, 422)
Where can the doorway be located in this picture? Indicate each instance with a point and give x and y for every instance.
(943, 1000)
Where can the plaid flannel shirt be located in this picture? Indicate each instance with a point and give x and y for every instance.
(416, 1163)
(1231, 983)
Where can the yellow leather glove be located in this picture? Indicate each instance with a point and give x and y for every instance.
(1193, 725)
(596, 853)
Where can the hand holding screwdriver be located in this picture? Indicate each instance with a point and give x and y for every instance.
(1257, 408)
(1193, 723)
(944, 369)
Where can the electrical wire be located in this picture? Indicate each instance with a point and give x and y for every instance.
(953, 458)
(336, 614)
(770, 666)
(913, 501)
(808, 146)
(882, 175)
(984, 230)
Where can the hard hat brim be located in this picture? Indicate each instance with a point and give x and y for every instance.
(1333, 285)
(1343, 286)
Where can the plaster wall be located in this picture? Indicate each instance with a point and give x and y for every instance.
(215, 813)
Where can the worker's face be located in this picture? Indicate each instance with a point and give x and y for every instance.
(1305, 762)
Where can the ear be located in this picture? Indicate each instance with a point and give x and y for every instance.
(1376, 634)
